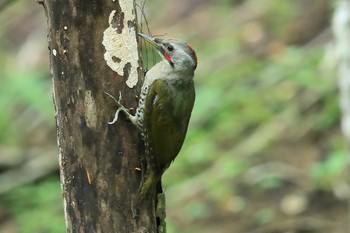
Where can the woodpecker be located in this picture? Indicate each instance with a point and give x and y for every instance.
(164, 109)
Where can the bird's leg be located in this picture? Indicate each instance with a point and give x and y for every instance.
(121, 108)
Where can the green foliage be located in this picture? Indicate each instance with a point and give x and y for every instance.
(20, 95)
(37, 207)
(264, 216)
(197, 210)
(329, 172)
(278, 14)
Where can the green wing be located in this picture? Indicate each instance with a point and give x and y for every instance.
(167, 113)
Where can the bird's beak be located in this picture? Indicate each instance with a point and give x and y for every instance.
(153, 41)
(157, 43)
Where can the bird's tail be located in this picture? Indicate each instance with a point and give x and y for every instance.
(148, 188)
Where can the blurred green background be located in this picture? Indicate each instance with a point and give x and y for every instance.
(264, 152)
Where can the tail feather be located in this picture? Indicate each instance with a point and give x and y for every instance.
(148, 188)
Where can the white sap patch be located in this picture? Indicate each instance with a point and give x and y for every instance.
(121, 48)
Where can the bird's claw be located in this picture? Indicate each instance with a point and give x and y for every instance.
(116, 115)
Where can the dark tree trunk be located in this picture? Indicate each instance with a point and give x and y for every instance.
(97, 161)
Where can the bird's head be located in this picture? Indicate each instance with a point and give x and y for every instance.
(179, 54)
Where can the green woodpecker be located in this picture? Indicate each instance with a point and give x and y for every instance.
(165, 105)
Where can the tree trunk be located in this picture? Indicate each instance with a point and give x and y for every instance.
(92, 50)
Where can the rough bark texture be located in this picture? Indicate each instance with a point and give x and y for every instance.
(97, 161)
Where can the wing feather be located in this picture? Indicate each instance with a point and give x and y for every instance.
(167, 112)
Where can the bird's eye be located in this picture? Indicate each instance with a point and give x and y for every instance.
(169, 47)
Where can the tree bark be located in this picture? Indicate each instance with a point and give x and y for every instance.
(97, 161)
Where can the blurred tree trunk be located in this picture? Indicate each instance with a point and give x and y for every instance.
(97, 161)
(341, 32)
